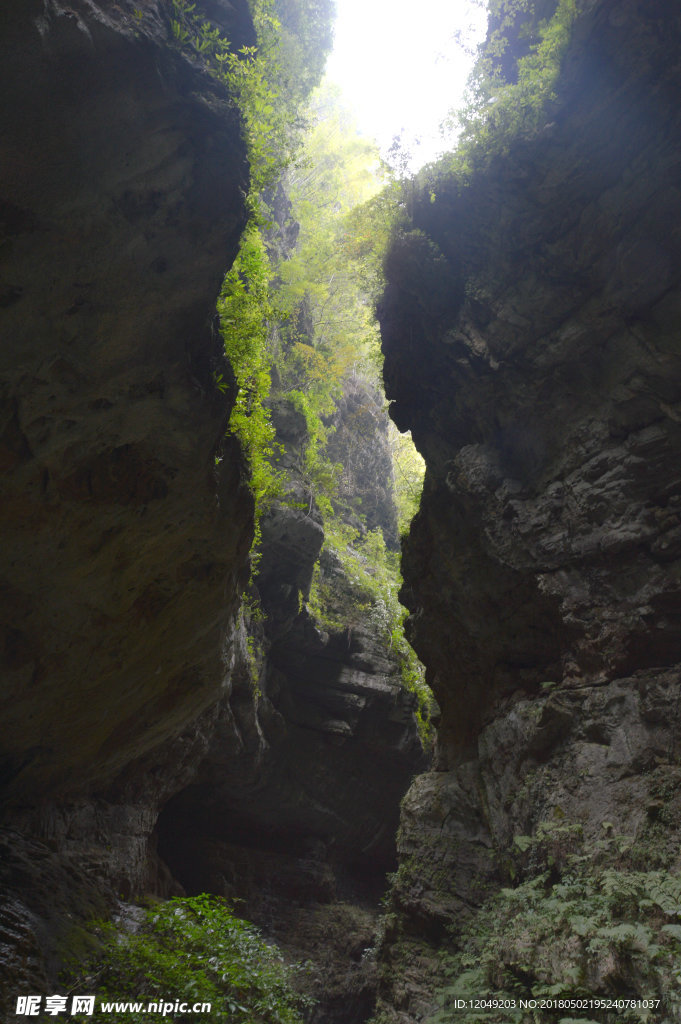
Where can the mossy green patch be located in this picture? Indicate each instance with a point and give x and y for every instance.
(191, 951)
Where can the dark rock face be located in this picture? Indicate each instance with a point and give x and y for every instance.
(593, 756)
(123, 545)
(127, 523)
(540, 377)
(546, 408)
(300, 823)
(297, 817)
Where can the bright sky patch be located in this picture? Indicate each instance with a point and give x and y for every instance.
(402, 66)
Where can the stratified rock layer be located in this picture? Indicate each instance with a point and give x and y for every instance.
(532, 333)
(299, 822)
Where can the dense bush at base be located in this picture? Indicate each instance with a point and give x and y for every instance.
(196, 951)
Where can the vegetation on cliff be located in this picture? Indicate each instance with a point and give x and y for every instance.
(296, 314)
(297, 309)
(269, 81)
(329, 367)
(514, 81)
(190, 951)
(563, 914)
(576, 916)
(586, 921)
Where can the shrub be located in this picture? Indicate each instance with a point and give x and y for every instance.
(193, 950)
(578, 929)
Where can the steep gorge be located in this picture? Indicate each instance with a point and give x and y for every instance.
(149, 746)
(530, 327)
(124, 549)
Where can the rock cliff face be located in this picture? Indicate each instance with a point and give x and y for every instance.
(129, 682)
(298, 820)
(361, 445)
(124, 545)
(532, 327)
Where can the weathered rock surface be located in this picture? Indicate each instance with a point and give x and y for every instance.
(299, 821)
(125, 546)
(122, 544)
(292, 529)
(128, 676)
(532, 338)
(605, 758)
(298, 818)
(360, 443)
(551, 400)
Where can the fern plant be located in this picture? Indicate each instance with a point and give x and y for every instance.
(596, 930)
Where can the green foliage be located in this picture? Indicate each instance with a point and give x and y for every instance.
(255, 656)
(306, 318)
(321, 476)
(337, 173)
(267, 82)
(246, 315)
(247, 76)
(409, 473)
(344, 597)
(328, 333)
(305, 38)
(578, 928)
(193, 950)
(498, 111)
(364, 589)
(369, 230)
(328, 286)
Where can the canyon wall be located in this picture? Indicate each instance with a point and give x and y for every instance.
(130, 686)
(531, 327)
(298, 820)
(531, 331)
(126, 516)
(124, 542)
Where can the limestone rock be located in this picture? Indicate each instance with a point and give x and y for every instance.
(294, 803)
(542, 572)
(359, 442)
(292, 529)
(547, 408)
